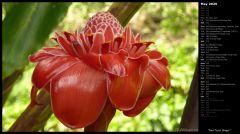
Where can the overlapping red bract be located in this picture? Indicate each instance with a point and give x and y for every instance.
(97, 70)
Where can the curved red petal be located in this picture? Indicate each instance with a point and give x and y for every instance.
(116, 44)
(124, 91)
(114, 63)
(55, 51)
(46, 53)
(150, 85)
(89, 39)
(82, 39)
(154, 54)
(127, 36)
(148, 43)
(137, 38)
(78, 95)
(164, 61)
(101, 124)
(69, 36)
(105, 48)
(141, 104)
(50, 67)
(132, 38)
(137, 44)
(98, 40)
(79, 45)
(108, 34)
(66, 45)
(92, 59)
(160, 73)
(39, 56)
(138, 48)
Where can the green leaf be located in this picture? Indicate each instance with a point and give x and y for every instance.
(124, 11)
(7, 5)
(25, 29)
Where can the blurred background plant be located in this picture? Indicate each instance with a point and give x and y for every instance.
(173, 27)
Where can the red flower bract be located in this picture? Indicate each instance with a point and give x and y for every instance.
(97, 70)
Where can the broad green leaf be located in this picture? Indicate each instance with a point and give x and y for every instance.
(125, 11)
(7, 5)
(25, 28)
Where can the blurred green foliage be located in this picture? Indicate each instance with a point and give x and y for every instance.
(27, 19)
(173, 27)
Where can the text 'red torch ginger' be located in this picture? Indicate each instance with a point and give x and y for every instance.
(93, 72)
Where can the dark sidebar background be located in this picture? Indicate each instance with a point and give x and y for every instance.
(219, 50)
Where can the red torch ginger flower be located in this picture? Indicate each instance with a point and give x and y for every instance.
(97, 70)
